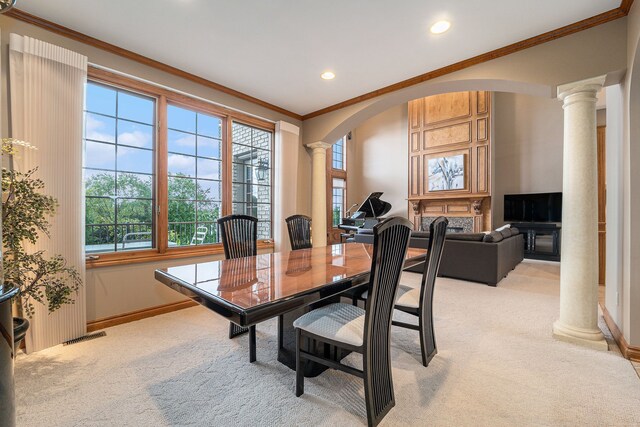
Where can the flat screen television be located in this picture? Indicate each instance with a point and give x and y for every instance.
(540, 207)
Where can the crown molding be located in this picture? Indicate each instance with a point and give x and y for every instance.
(582, 25)
(92, 41)
(585, 24)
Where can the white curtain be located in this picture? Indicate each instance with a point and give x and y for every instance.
(46, 87)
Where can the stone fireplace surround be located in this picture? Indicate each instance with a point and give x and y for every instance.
(457, 224)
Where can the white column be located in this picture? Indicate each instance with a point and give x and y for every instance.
(319, 193)
(286, 181)
(578, 321)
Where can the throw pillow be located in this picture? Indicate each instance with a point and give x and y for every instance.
(493, 237)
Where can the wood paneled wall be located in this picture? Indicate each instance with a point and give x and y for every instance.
(447, 125)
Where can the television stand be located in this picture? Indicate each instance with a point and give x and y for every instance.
(541, 239)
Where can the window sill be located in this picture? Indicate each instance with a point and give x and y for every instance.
(152, 255)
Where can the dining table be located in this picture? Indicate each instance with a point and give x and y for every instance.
(283, 285)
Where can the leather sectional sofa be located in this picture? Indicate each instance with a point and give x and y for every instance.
(477, 257)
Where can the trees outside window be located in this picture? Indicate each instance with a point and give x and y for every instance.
(161, 168)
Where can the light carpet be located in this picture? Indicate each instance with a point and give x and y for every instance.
(497, 365)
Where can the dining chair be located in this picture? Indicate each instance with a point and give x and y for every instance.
(299, 227)
(365, 331)
(239, 239)
(419, 301)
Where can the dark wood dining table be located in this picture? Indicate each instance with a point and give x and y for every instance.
(249, 290)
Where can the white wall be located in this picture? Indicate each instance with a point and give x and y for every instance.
(630, 304)
(615, 186)
(380, 160)
(527, 148)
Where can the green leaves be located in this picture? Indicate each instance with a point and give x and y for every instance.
(25, 218)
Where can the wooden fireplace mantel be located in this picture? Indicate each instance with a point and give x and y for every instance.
(477, 207)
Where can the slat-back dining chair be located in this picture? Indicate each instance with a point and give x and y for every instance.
(365, 331)
(419, 301)
(239, 234)
(299, 227)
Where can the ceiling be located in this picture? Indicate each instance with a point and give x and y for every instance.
(276, 50)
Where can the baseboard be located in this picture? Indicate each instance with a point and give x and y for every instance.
(628, 351)
(137, 315)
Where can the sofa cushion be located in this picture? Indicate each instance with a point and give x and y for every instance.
(493, 237)
(420, 234)
(506, 233)
(514, 231)
(473, 237)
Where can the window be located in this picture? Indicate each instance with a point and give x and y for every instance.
(194, 169)
(160, 168)
(337, 194)
(251, 175)
(119, 170)
(337, 154)
(337, 205)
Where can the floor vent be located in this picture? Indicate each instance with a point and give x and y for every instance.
(86, 338)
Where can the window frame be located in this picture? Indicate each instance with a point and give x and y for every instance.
(154, 170)
(163, 98)
(340, 174)
(229, 177)
(343, 160)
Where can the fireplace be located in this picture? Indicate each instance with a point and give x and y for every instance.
(457, 224)
(465, 214)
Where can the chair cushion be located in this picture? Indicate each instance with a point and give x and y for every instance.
(338, 322)
(406, 297)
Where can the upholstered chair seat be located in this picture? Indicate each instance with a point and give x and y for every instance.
(407, 296)
(338, 322)
(323, 333)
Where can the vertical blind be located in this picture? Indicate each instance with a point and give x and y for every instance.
(47, 86)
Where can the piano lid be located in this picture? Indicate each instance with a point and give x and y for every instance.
(373, 207)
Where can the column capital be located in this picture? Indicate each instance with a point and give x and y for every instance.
(592, 85)
(318, 144)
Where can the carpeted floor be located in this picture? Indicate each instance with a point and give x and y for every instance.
(497, 365)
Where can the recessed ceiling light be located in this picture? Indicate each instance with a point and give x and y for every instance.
(328, 75)
(440, 27)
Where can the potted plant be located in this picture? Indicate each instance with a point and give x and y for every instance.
(25, 219)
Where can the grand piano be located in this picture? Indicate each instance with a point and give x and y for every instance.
(368, 214)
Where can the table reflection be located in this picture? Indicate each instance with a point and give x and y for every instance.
(251, 281)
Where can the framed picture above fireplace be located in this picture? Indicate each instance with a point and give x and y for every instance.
(447, 173)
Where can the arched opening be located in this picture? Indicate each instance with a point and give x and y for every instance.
(344, 120)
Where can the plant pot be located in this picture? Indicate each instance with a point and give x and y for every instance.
(20, 326)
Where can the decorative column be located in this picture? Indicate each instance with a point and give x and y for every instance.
(287, 146)
(578, 321)
(319, 193)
